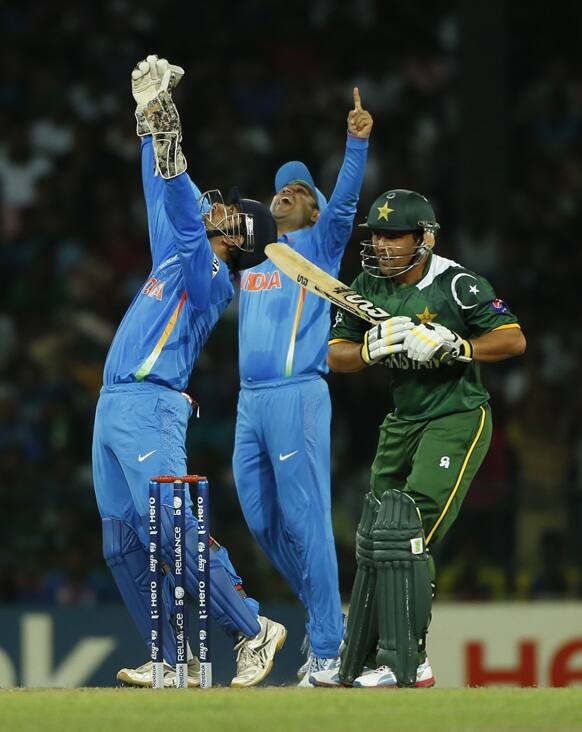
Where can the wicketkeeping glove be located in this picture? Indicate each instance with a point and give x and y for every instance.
(161, 116)
(425, 342)
(385, 338)
(146, 79)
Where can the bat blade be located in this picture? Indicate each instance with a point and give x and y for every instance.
(316, 280)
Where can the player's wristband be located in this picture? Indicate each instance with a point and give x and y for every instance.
(461, 350)
(364, 352)
(465, 351)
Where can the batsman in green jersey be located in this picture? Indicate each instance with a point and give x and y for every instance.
(444, 320)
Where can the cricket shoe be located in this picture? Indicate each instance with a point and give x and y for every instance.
(305, 648)
(142, 675)
(304, 668)
(317, 665)
(384, 678)
(254, 659)
(328, 679)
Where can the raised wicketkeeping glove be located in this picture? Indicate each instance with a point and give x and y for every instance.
(425, 342)
(385, 338)
(146, 79)
(163, 121)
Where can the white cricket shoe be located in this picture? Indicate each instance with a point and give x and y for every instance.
(308, 650)
(424, 675)
(304, 668)
(254, 659)
(384, 678)
(316, 665)
(305, 648)
(328, 679)
(142, 675)
(193, 674)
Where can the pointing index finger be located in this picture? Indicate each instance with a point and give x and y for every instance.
(357, 100)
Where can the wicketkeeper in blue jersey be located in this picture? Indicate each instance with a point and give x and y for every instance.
(282, 446)
(143, 412)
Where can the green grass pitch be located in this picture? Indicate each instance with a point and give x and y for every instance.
(284, 709)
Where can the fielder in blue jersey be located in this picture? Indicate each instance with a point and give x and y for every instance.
(143, 412)
(282, 447)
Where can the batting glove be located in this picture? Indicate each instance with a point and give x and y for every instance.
(431, 340)
(386, 338)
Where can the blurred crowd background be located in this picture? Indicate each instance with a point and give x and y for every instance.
(479, 108)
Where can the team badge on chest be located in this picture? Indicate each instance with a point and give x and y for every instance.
(426, 316)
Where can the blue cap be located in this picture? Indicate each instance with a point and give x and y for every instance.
(297, 172)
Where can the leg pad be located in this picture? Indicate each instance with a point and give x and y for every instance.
(404, 593)
(362, 626)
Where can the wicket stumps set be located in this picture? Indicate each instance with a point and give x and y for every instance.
(202, 568)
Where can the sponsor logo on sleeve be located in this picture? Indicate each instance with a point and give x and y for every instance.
(171, 260)
(498, 306)
(215, 266)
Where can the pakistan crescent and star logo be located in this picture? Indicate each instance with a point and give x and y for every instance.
(473, 290)
(426, 316)
(384, 211)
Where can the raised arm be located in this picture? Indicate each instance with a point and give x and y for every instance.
(153, 192)
(336, 221)
(180, 203)
(199, 264)
(145, 80)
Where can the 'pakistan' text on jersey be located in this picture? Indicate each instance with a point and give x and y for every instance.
(172, 315)
(283, 329)
(447, 294)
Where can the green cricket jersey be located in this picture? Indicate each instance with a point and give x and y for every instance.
(447, 294)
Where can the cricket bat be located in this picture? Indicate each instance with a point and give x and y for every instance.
(313, 278)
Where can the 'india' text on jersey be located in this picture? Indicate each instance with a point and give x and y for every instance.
(171, 316)
(283, 329)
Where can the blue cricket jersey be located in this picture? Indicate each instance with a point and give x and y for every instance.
(172, 315)
(283, 329)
